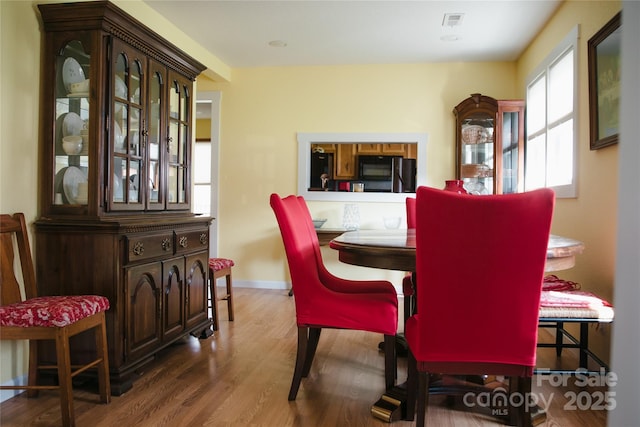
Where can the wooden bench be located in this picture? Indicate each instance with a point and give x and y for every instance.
(563, 303)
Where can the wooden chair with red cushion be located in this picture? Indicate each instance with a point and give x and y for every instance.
(480, 262)
(323, 300)
(218, 268)
(55, 318)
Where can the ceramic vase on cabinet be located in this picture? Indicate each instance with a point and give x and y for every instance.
(455, 185)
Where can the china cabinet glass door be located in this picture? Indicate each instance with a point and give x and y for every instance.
(155, 146)
(509, 122)
(72, 106)
(178, 142)
(128, 129)
(477, 156)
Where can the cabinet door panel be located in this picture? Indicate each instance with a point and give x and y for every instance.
(196, 279)
(156, 136)
(394, 149)
(345, 161)
(172, 297)
(127, 114)
(369, 148)
(179, 142)
(143, 310)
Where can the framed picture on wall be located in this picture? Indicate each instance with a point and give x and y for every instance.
(604, 84)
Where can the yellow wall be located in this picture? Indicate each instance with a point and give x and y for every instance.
(19, 104)
(203, 129)
(263, 109)
(591, 217)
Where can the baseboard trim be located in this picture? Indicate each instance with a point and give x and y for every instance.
(8, 394)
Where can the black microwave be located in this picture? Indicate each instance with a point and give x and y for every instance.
(377, 168)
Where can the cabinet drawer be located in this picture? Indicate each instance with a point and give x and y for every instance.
(149, 246)
(189, 241)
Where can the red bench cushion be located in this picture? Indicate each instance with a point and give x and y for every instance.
(220, 263)
(52, 311)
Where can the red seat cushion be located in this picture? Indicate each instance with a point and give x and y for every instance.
(218, 264)
(52, 311)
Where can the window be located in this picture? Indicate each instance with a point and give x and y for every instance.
(551, 121)
(202, 178)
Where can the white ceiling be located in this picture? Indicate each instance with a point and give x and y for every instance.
(329, 32)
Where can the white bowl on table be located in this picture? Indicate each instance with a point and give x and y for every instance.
(318, 223)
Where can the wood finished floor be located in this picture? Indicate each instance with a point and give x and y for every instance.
(241, 377)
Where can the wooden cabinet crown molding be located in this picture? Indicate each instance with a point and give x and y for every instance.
(105, 16)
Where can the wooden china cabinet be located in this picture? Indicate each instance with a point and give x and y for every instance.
(490, 144)
(115, 182)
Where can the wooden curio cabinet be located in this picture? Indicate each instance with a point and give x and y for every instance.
(115, 181)
(490, 144)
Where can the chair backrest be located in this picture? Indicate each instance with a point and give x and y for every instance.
(411, 212)
(13, 235)
(301, 246)
(480, 266)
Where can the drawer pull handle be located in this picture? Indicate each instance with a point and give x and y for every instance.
(203, 238)
(183, 241)
(138, 248)
(166, 244)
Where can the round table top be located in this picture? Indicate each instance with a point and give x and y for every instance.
(396, 249)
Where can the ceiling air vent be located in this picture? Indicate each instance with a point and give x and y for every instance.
(452, 19)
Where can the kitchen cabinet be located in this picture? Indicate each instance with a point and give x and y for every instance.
(384, 149)
(345, 161)
(490, 144)
(369, 148)
(394, 149)
(115, 185)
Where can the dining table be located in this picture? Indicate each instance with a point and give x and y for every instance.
(395, 249)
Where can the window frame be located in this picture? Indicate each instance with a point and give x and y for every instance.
(569, 42)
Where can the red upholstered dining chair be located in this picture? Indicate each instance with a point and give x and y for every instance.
(55, 318)
(323, 300)
(407, 280)
(478, 292)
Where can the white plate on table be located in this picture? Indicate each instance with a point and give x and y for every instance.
(71, 73)
(73, 176)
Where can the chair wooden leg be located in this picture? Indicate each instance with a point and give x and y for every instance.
(229, 296)
(213, 294)
(412, 387)
(423, 398)
(559, 338)
(314, 337)
(32, 380)
(407, 307)
(303, 340)
(390, 362)
(520, 415)
(102, 352)
(64, 377)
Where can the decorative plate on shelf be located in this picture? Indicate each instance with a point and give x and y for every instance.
(71, 73)
(118, 137)
(474, 134)
(117, 189)
(121, 88)
(73, 176)
(72, 124)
